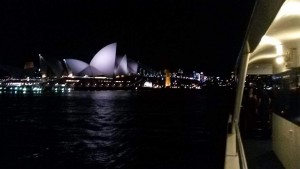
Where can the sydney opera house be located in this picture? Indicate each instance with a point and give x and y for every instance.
(104, 63)
(105, 70)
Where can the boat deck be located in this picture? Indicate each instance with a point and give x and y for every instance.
(259, 153)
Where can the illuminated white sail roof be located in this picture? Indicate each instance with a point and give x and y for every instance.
(121, 67)
(76, 66)
(132, 66)
(104, 60)
(90, 71)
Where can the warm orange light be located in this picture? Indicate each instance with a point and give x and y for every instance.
(168, 78)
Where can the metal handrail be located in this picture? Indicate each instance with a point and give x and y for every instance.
(240, 147)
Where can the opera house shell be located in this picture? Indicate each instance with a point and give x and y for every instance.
(104, 63)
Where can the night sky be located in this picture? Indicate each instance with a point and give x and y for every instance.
(190, 34)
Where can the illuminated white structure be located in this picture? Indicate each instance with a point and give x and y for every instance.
(104, 60)
(104, 63)
(121, 65)
(132, 66)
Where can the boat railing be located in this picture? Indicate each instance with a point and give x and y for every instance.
(235, 155)
(240, 147)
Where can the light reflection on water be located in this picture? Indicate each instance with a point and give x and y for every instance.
(106, 129)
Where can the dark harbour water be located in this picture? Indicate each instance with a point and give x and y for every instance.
(161, 129)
